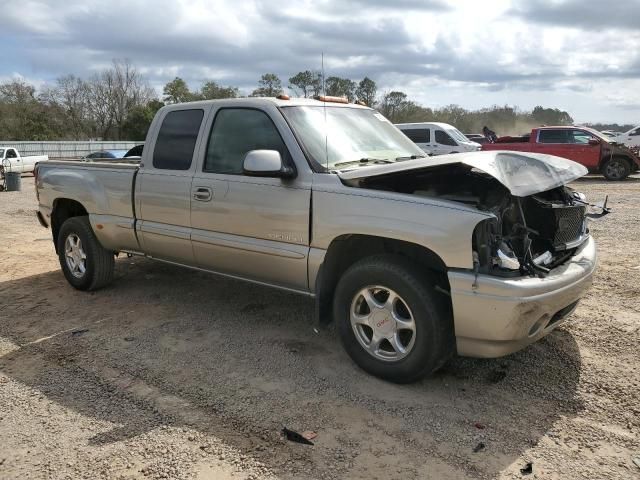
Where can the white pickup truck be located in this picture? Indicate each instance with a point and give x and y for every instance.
(630, 138)
(12, 161)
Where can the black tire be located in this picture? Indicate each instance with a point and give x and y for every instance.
(616, 169)
(434, 334)
(99, 263)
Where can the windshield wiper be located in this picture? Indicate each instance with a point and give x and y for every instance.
(363, 161)
(412, 157)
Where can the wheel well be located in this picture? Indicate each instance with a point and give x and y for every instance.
(621, 157)
(345, 250)
(63, 209)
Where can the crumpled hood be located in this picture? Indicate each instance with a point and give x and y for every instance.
(522, 173)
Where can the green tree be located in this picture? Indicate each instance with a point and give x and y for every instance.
(269, 85)
(341, 87)
(551, 116)
(307, 83)
(366, 91)
(24, 117)
(177, 91)
(139, 119)
(211, 90)
(392, 103)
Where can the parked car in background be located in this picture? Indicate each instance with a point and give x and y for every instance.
(12, 161)
(584, 145)
(105, 155)
(435, 138)
(134, 151)
(414, 258)
(630, 138)
(477, 138)
(610, 133)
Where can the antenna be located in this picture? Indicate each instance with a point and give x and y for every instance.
(326, 127)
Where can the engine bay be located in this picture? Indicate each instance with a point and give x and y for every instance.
(527, 236)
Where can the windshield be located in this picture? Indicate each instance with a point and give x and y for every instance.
(333, 136)
(457, 135)
(1, 152)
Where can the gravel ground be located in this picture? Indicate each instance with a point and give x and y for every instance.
(170, 373)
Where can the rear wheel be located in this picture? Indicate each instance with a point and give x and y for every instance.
(85, 264)
(616, 169)
(391, 321)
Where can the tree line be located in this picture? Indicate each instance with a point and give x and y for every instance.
(118, 103)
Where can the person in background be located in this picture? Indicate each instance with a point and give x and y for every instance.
(490, 135)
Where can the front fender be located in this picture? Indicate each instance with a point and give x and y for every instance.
(442, 227)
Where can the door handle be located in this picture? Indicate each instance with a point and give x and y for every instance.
(203, 194)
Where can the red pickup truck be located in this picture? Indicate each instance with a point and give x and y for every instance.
(583, 145)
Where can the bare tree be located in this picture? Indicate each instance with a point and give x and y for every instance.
(71, 95)
(113, 93)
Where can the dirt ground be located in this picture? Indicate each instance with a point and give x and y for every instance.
(170, 373)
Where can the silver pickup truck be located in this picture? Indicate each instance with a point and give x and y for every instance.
(414, 258)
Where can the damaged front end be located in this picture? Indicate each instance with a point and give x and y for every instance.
(537, 222)
(530, 235)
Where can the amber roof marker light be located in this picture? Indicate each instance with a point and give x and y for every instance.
(282, 96)
(330, 99)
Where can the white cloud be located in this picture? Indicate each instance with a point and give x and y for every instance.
(441, 52)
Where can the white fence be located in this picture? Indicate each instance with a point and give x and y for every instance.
(67, 149)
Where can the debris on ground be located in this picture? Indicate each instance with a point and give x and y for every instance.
(527, 469)
(78, 332)
(636, 460)
(479, 447)
(295, 437)
(309, 435)
(479, 426)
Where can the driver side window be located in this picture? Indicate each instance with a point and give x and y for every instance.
(581, 137)
(237, 131)
(11, 153)
(443, 138)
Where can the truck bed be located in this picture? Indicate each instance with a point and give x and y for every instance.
(104, 189)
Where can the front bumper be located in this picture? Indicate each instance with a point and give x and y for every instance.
(499, 316)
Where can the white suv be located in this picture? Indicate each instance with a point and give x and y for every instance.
(436, 138)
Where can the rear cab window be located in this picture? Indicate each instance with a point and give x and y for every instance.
(553, 136)
(177, 139)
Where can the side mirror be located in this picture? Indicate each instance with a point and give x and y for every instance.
(266, 163)
(594, 141)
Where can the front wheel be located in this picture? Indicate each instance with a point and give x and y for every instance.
(85, 263)
(616, 169)
(391, 321)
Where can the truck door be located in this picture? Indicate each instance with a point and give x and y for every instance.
(421, 136)
(163, 187)
(632, 139)
(555, 142)
(586, 153)
(250, 227)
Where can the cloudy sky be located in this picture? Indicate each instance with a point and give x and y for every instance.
(582, 56)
